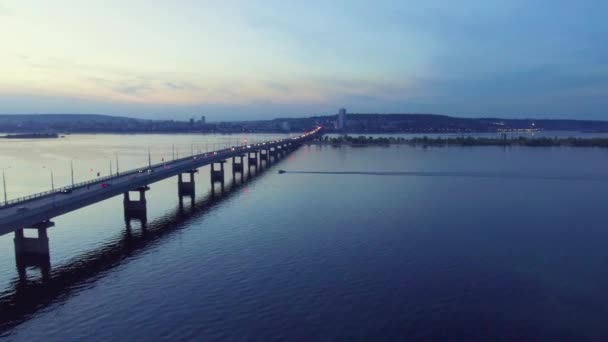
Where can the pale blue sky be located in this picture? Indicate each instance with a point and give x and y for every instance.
(261, 59)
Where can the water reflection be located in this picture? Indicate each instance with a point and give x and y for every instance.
(25, 296)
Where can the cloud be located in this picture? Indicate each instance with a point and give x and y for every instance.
(129, 87)
(181, 86)
(129, 82)
(278, 86)
(133, 90)
(509, 58)
(5, 11)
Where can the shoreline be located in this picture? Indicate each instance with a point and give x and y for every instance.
(464, 142)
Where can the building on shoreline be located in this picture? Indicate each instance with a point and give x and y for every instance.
(341, 123)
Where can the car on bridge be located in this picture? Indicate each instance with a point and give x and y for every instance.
(22, 209)
(66, 191)
(105, 185)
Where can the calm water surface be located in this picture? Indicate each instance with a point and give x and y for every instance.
(328, 256)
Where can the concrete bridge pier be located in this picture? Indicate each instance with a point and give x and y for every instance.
(217, 175)
(264, 155)
(186, 187)
(237, 166)
(252, 159)
(136, 208)
(33, 251)
(213, 190)
(237, 163)
(274, 155)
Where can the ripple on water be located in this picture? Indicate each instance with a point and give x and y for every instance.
(333, 257)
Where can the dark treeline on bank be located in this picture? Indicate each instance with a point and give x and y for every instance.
(31, 136)
(361, 141)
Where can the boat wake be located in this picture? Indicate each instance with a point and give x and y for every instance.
(463, 174)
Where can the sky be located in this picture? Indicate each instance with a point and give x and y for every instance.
(239, 59)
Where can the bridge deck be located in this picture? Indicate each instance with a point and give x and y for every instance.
(36, 208)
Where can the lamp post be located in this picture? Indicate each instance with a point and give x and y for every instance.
(4, 184)
(52, 184)
(72, 171)
(4, 187)
(52, 179)
(117, 171)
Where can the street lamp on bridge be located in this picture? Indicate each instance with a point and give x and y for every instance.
(4, 184)
(117, 171)
(149, 158)
(110, 159)
(72, 171)
(52, 184)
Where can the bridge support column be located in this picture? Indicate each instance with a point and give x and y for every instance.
(33, 251)
(264, 155)
(136, 208)
(252, 159)
(217, 175)
(186, 187)
(273, 155)
(237, 167)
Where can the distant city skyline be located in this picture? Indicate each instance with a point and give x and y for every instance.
(240, 60)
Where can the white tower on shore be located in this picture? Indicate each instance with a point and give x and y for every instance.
(342, 118)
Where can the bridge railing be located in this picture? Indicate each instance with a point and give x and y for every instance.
(80, 185)
(25, 199)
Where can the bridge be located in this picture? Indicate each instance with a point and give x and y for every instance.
(25, 298)
(36, 211)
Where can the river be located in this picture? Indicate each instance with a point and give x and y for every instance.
(434, 250)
